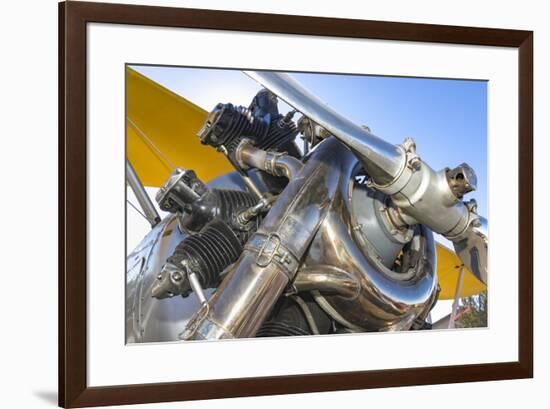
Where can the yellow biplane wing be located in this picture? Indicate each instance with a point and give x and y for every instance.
(161, 134)
(448, 270)
(161, 129)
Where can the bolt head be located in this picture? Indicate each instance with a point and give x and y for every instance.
(415, 163)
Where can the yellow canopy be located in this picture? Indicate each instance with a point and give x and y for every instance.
(161, 130)
(161, 133)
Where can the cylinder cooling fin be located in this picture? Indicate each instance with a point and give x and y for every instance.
(208, 253)
(196, 205)
(261, 122)
(216, 235)
(205, 254)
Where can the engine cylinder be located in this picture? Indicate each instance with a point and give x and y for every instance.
(227, 125)
(208, 253)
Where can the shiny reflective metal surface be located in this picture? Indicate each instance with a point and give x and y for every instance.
(311, 222)
(420, 194)
(149, 319)
(369, 295)
(383, 160)
(272, 256)
(373, 226)
(275, 163)
(364, 254)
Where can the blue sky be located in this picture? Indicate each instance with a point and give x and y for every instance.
(446, 118)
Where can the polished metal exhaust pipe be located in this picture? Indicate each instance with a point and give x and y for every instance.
(272, 256)
(307, 243)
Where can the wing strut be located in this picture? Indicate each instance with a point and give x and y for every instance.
(143, 198)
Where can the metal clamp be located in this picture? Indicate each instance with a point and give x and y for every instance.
(269, 249)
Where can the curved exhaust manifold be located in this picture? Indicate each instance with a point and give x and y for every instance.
(311, 214)
(271, 257)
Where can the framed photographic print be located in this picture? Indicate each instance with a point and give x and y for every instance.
(257, 204)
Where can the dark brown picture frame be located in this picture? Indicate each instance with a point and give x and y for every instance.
(73, 18)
